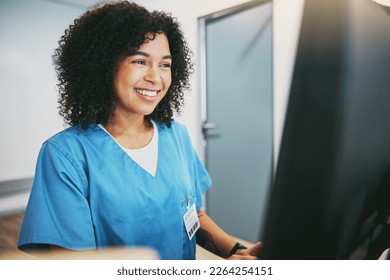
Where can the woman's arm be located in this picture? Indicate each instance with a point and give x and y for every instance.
(212, 238)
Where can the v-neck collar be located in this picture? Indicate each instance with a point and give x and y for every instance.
(113, 141)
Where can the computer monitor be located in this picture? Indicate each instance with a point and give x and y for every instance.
(330, 198)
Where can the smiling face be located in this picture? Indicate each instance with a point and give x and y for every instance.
(143, 78)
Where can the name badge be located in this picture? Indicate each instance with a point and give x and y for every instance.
(191, 221)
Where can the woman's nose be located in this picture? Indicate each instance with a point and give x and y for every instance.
(153, 75)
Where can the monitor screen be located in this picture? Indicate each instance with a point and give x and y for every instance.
(330, 197)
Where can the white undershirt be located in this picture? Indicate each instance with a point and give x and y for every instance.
(146, 157)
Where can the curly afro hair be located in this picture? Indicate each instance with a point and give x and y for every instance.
(89, 52)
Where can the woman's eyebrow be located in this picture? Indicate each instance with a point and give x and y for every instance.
(147, 55)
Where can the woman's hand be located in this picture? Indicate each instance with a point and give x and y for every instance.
(247, 254)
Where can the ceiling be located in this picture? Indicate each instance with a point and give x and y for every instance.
(87, 3)
(78, 3)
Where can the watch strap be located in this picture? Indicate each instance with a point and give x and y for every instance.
(236, 247)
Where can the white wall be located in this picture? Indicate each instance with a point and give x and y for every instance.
(286, 22)
(29, 31)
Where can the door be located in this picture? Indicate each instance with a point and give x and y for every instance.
(237, 102)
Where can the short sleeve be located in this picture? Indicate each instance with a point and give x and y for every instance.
(202, 180)
(58, 211)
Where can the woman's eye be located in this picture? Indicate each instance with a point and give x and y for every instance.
(141, 62)
(166, 65)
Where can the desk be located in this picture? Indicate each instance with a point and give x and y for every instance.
(102, 254)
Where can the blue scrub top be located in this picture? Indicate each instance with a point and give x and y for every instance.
(88, 193)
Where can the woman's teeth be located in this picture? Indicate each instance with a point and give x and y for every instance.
(146, 92)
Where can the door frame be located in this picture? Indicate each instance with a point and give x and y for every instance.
(202, 77)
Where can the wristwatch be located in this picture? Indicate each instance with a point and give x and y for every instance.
(236, 247)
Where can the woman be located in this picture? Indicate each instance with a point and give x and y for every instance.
(124, 173)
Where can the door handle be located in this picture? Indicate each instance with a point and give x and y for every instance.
(206, 130)
(207, 126)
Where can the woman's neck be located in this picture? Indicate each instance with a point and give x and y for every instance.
(132, 133)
